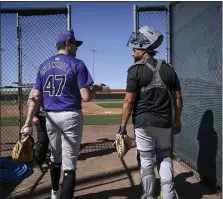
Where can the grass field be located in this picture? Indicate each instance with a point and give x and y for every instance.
(110, 105)
(11, 103)
(107, 100)
(88, 120)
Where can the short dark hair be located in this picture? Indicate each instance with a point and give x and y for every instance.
(61, 46)
(151, 53)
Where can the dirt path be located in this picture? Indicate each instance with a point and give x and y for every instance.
(101, 174)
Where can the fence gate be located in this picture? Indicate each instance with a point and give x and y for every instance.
(27, 39)
(155, 16)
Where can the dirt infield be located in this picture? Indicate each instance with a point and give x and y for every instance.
(89, 108)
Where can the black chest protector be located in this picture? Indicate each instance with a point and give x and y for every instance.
(156, 81)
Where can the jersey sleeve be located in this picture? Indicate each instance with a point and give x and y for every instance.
(83, 76)
(132, 81)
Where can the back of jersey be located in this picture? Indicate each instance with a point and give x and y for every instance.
(59, 80)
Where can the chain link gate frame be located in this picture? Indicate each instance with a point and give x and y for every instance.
(27, 39)
(142, 16)
(206, 95)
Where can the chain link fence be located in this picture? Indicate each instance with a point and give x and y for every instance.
(27, 39)
(9, 77)
(155, 16)
(196, 46)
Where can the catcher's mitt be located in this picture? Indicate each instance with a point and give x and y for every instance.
(23, 150)
(122, 143)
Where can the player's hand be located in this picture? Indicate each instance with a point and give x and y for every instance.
(26, 130)
(99, 87)
(177, 127)
(122, 131)
(35, 120)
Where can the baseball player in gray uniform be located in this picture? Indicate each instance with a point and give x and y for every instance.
(153, 96)
(63, 81)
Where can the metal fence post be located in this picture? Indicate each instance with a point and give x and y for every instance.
(68, 17)
(19, 43)
(135, 18)
(168, 36)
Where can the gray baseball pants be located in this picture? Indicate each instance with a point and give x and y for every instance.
(151, 141)
(64, 130)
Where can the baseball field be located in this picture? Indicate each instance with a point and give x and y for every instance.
(97, 112)
(100, 173)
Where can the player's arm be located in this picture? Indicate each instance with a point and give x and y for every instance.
(34, 102)
(85, 82)
(31, 94)
(33, 106)
(88, 93)
(177, 101)
(130, 96)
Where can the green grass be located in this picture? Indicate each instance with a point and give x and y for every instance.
(110, 105)
(88, 120)
(107, 100)
(10, 121)
(11, 103)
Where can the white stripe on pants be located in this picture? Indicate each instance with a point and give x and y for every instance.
(64, 130)
(149, 139)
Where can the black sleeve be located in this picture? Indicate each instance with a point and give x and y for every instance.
(132, 81)
(175, 86)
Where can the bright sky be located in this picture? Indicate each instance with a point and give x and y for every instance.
(104, 26)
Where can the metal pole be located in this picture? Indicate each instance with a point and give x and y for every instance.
(93, 51)
(19, 43)
(151, 8)
(135, 18)
(168, 36)
(68, 17)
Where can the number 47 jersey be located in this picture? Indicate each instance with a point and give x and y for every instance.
(60, 79)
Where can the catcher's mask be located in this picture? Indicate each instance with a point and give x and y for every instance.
(146, 37)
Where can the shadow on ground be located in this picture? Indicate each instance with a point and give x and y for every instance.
(101, 147)
(7, 189)
(184, 189)
(129, 192)
(94, 149)
(187, 190)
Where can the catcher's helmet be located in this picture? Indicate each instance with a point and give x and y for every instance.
(146, 37)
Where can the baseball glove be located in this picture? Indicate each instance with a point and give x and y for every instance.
(122, 143)
(23, 150)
